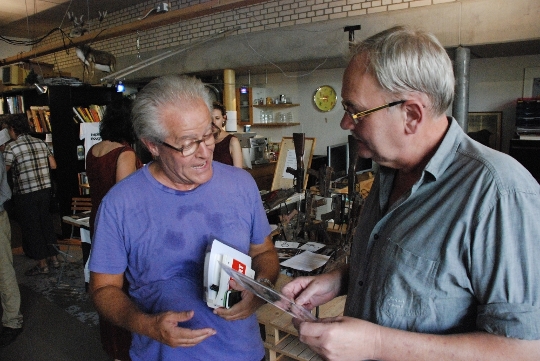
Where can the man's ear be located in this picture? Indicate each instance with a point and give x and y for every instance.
(152, 147)
(415, 115)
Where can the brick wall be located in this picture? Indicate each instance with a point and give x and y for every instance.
(255, 18)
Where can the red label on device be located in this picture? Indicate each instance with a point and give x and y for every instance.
(238, 266)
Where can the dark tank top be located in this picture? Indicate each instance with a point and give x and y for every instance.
(222, 152)
(101, 172)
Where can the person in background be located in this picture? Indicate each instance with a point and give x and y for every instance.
(156, 225)
(444, 262)
(10, 296)
(227, 149)
(29, 159)
(107, 163)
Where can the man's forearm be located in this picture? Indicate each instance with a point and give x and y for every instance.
(266, 265)
(343, 273)
(405, 345)
(113, 304)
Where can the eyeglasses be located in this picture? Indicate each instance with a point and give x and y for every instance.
(192, 146)
(355, 116)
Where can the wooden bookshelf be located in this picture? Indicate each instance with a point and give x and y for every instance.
(60, 100)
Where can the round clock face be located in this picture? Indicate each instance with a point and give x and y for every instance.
(325, 98)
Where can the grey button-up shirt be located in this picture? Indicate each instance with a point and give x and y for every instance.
(458, 253)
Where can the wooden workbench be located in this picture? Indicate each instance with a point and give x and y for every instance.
(281, 338)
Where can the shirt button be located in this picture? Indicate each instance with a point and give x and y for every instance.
(376, 236)
(360, 283)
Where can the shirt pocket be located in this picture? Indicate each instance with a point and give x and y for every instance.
(407, 283)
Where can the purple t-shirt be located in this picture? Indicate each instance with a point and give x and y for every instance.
(159, 236)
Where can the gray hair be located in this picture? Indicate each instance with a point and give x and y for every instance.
(405, 60)
(168, 90)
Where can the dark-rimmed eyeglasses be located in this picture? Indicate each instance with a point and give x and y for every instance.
(357, 116)
(192, 146)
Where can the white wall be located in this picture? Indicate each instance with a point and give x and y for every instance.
(494, 85)
(8, 50)
(300, 87)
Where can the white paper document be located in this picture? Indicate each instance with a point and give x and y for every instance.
(306, 261)
(290, 162)
(4, 136)
(285, 244)
(312, 246)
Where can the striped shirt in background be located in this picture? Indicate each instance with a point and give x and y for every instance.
(29, 161)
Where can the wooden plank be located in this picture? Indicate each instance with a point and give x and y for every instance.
(308, 354)
(332, 308)
(293, 348)
(267, 313)
(285, 342)
(298, 349)
(284, 323)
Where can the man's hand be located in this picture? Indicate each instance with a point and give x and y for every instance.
(165, 330)
(340, 338)
(313, 291)
(243, 309)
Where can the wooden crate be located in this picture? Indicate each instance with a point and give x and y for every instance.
(281, 338)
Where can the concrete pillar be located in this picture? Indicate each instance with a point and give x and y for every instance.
(460, 107)
(229, 99)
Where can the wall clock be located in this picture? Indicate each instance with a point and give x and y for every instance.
(325, 98)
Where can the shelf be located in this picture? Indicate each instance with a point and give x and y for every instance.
(282, 105)
(273, 125)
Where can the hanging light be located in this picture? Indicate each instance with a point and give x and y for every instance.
(120, 87)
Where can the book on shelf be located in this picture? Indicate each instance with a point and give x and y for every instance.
(90, 114)
(33, 121)
(40, 118)
(78, 117)
(530, 137)
(15, 104)
(529, 133)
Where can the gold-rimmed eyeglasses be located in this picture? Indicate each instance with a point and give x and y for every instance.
(356, 116)
(191, 146)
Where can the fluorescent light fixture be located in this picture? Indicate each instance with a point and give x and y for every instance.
(41, 89)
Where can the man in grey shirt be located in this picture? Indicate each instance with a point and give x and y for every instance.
(443, 263)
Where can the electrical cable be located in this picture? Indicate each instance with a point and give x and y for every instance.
(27, 42)
(335, 44)
(148, 13)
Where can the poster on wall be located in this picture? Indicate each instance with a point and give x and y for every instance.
(531, 82)
(486, 128)
(536, 88)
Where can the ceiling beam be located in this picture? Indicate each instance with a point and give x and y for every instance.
(155, 21)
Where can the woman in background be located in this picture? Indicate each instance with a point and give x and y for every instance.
(227, 148)
(107, 163)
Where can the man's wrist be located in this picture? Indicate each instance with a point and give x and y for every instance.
(266, 282)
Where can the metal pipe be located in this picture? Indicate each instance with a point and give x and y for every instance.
(121, 74)
(460, 106)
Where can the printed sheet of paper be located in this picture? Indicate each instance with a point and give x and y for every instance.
(306, 261)
(4, 136)
(290, 161)
(312, 246)
(285, 244)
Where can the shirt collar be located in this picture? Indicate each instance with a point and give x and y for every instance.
(444, 155)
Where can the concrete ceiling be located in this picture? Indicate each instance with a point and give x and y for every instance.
(34, 19)
(19, 21)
